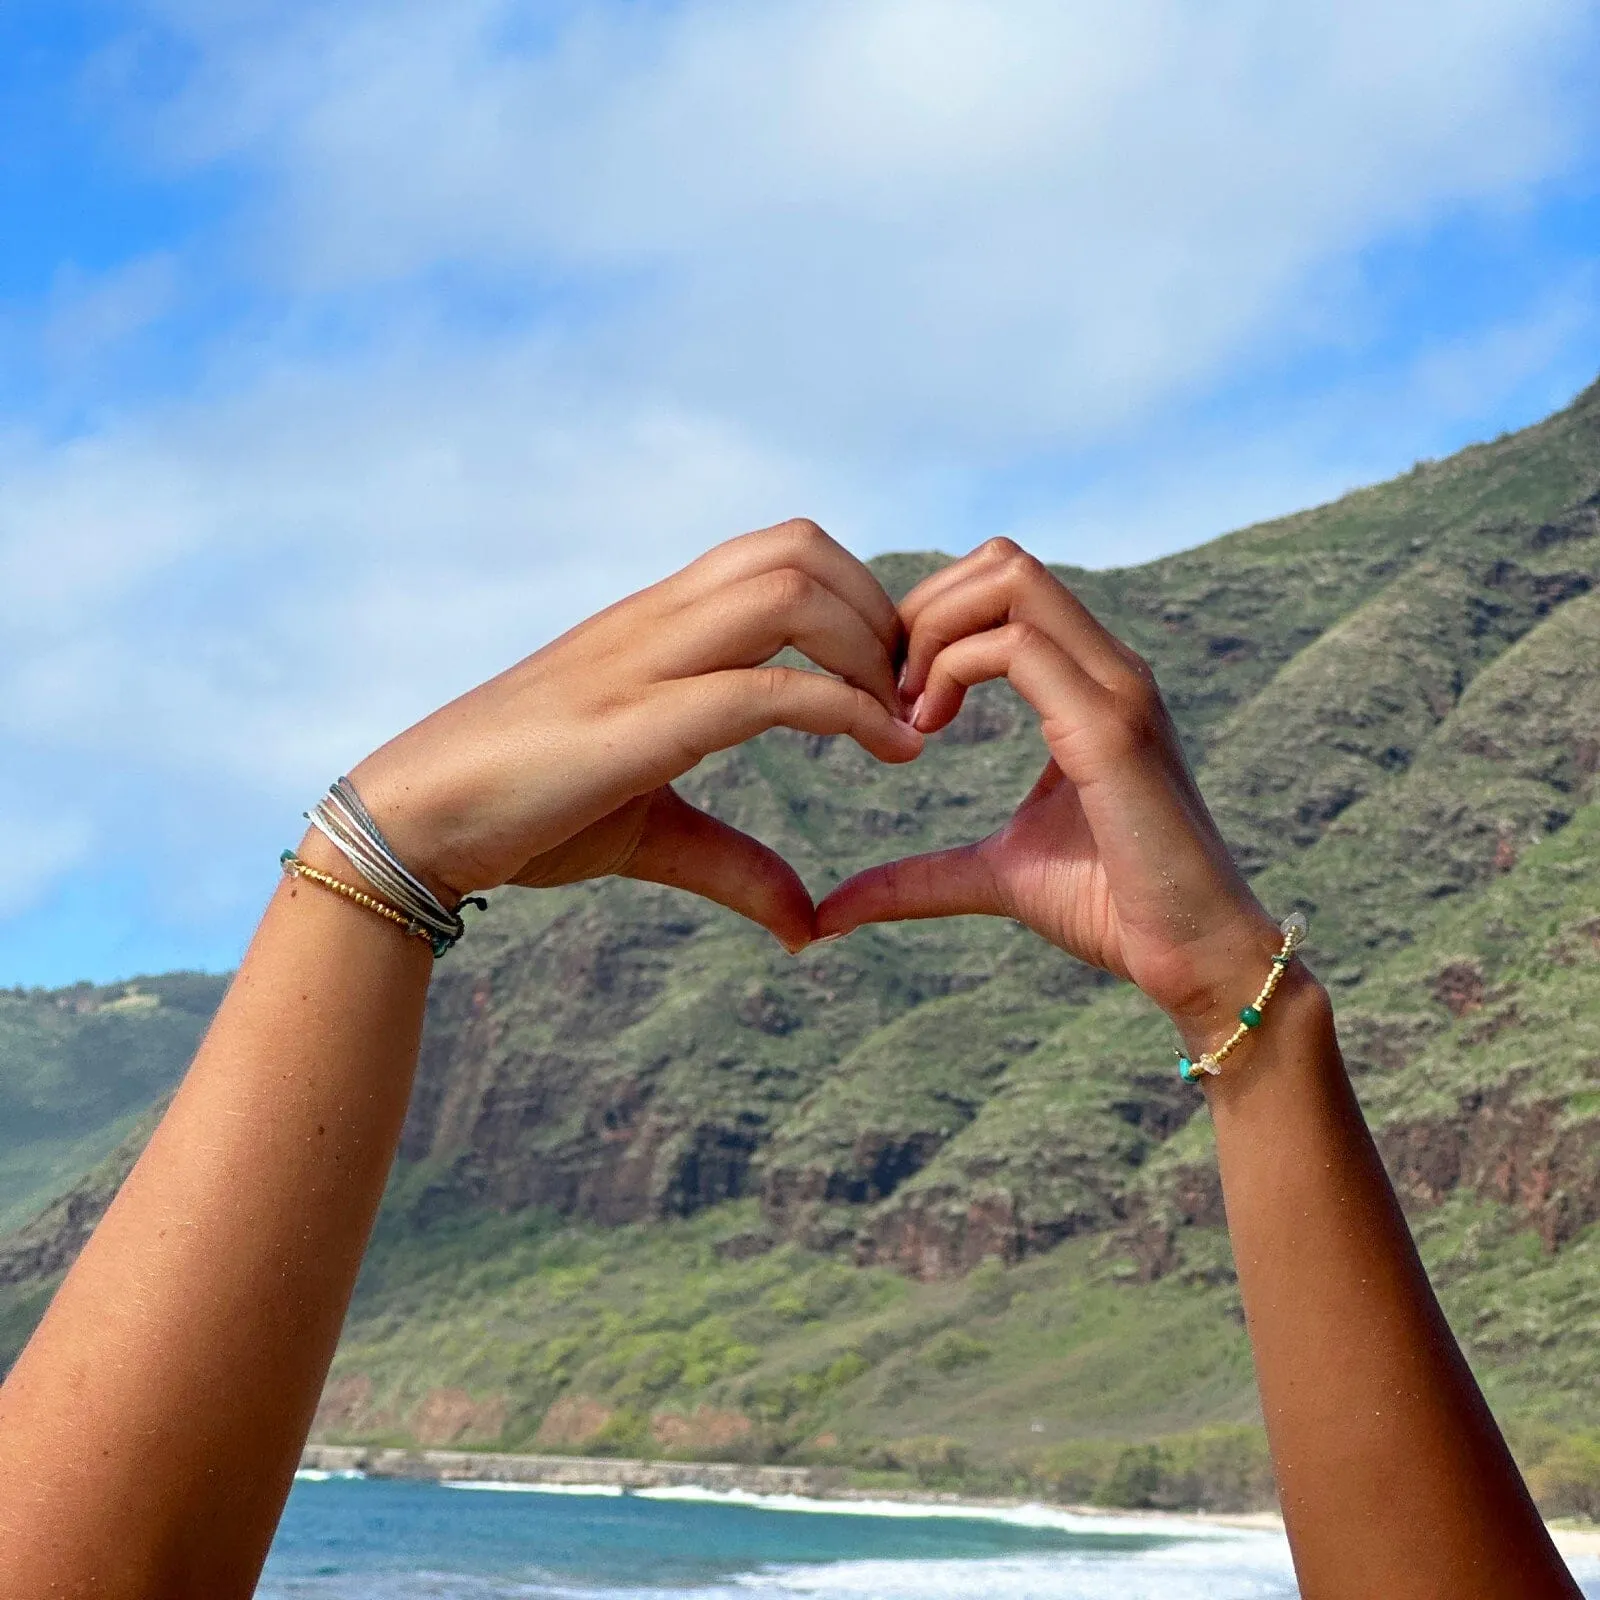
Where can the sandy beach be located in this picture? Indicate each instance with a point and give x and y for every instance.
(1570, 1538)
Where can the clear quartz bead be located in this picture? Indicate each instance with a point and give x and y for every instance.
(1208, 1063)
(1294, 928)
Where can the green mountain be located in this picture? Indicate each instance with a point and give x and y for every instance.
(931, 1201)
(79, 1066)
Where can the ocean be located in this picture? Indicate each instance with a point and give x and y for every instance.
(360, 1539)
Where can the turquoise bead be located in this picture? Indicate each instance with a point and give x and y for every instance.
(1250, 1017)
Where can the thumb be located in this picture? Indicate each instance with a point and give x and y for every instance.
(946, 883)
(681, 846)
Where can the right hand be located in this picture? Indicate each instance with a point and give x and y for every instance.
(560, 768)
(1113, 855)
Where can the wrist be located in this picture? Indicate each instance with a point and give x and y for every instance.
(1296, 1038)
(1224, 974)
(412, 831)
(317, 850)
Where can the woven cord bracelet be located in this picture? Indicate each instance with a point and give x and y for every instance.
(341, 818)
(1294, 929)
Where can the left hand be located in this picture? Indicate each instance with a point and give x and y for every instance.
(1112, 855)
(561, 768)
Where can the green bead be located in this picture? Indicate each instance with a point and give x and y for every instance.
(1185, 1068)
(1250, 1017)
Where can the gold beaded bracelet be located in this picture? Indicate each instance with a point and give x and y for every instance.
(1294, 929)
(294, 867)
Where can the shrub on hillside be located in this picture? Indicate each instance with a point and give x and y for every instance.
(1209, 1469)
(1564, 1475)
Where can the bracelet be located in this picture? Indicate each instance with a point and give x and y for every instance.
(294, 867)
(1294, 929)
(346, 823)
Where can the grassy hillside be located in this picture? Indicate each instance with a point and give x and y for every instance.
(931, 1201)
(1053, 1376)
(79, 1066)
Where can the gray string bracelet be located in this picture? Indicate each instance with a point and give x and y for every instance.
(341, 818)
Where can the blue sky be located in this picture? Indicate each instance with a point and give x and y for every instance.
(350, 350)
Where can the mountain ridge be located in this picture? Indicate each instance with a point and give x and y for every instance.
(1393, 706)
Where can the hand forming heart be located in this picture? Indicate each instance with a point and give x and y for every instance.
(1112, 855)
(560, 768)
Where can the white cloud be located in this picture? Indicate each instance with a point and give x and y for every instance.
(1215, 474)
(258, 588)
(884, 223)
(541, 301)
(92, 316)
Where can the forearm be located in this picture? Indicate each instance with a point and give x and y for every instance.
(149, 1432)
(173, 1380)
(1394, 1479)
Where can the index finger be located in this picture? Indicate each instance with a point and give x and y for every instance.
(1001, 583)
(801, 543)
(988, 554)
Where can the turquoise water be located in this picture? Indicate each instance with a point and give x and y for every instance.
(347, 1539)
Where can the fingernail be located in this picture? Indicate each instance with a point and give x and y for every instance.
(831, 938)
(916, 709)
(900, 682)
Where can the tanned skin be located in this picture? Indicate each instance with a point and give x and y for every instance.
(1394, 1480)
(150, 1430)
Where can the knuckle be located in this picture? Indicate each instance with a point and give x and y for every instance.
(1021, 636)
(769, 684)
(804, 533)
(1140, 712)
(864, 710)
(1136, 692)
(893, 880)
(999, 548)
(1020, 569)
(789, 588)
(1135, 662)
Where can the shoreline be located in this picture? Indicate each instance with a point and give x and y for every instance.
(738, 1481)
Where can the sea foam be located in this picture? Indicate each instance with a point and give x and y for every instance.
(1139, 1526)
(611, 1489)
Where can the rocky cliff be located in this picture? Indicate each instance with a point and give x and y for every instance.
(1390, 702)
